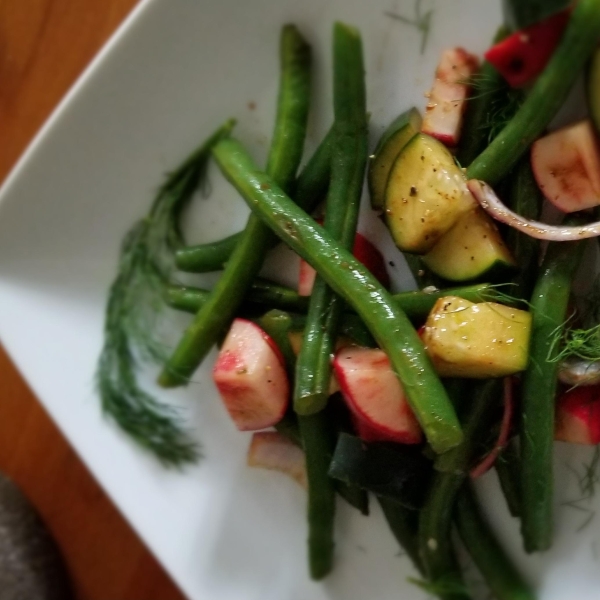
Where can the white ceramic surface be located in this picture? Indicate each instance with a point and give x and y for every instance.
(174, 70)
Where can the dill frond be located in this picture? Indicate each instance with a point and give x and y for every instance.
(421, 22)
(567, 342)
(133, 315)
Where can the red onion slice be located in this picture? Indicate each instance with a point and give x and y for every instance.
(488, 462)
(488, 200)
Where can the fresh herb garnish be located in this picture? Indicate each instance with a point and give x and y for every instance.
(574, 343)
(133, 314)
(587, 480)
(421, 22)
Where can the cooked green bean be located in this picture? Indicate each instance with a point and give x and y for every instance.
(204, 258)
(350, 279)
(247, 258)
(525, 199)
(404, 524)
(549, 303)
(416, 305)
(313, 368)
(508, 467)
(309, 190)
(435, 521)
(318, 442)
(500, 574)
(546, 97)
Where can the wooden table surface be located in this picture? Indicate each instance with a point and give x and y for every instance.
(44, 46)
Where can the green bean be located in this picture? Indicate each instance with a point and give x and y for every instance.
(502, 577)
(489, 86)
(318, 443)
(452, 468)
(508, 467)
(309, 190)
(546, 97)
(349, 278)
(204, 258)
(525, 199)
(549, 303)
(247, 258)
(313, 369)
(416, 305)
(435, 544)
(404, 524)
(262, 293)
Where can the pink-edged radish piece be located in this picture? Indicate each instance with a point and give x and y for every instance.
(364, 251)
(251, 378)
(271, 450)
(522, 56)
(447, 100)
(566, 166)
(509, 406)
(578, 416)
(375, 397)
(488, 200)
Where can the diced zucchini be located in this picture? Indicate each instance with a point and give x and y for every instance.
(482, 340)
(425, 195)
(395, 137)
(472, 249)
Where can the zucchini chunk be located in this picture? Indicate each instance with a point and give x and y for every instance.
(425, 195)
(395, 137)
(478, 341)
(472, 249)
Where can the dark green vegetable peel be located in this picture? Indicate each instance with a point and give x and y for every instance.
(313, 369)
(549, 303)
(546, 97)
(349, 278)
(132, 312)
(242, 268)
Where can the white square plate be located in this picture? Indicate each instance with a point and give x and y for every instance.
(174, 70)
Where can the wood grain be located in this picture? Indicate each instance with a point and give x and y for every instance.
(44, 46)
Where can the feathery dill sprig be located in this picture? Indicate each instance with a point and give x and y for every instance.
(421, 22)
(133, 315)
(574, 343)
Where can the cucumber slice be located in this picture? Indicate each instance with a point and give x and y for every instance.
(426, 193)
(593, 88)
(472, 249)
(395, 137)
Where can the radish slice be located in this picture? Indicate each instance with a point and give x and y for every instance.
(373, 394)
(578, 416)
(251, 377)
(488, 462)
(566, 166)
(488, 200)
(271, 450)
(448, 97)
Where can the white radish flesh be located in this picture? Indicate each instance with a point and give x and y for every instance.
(566, 166)
(448, 97)
(251, 377)
(375, 397)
